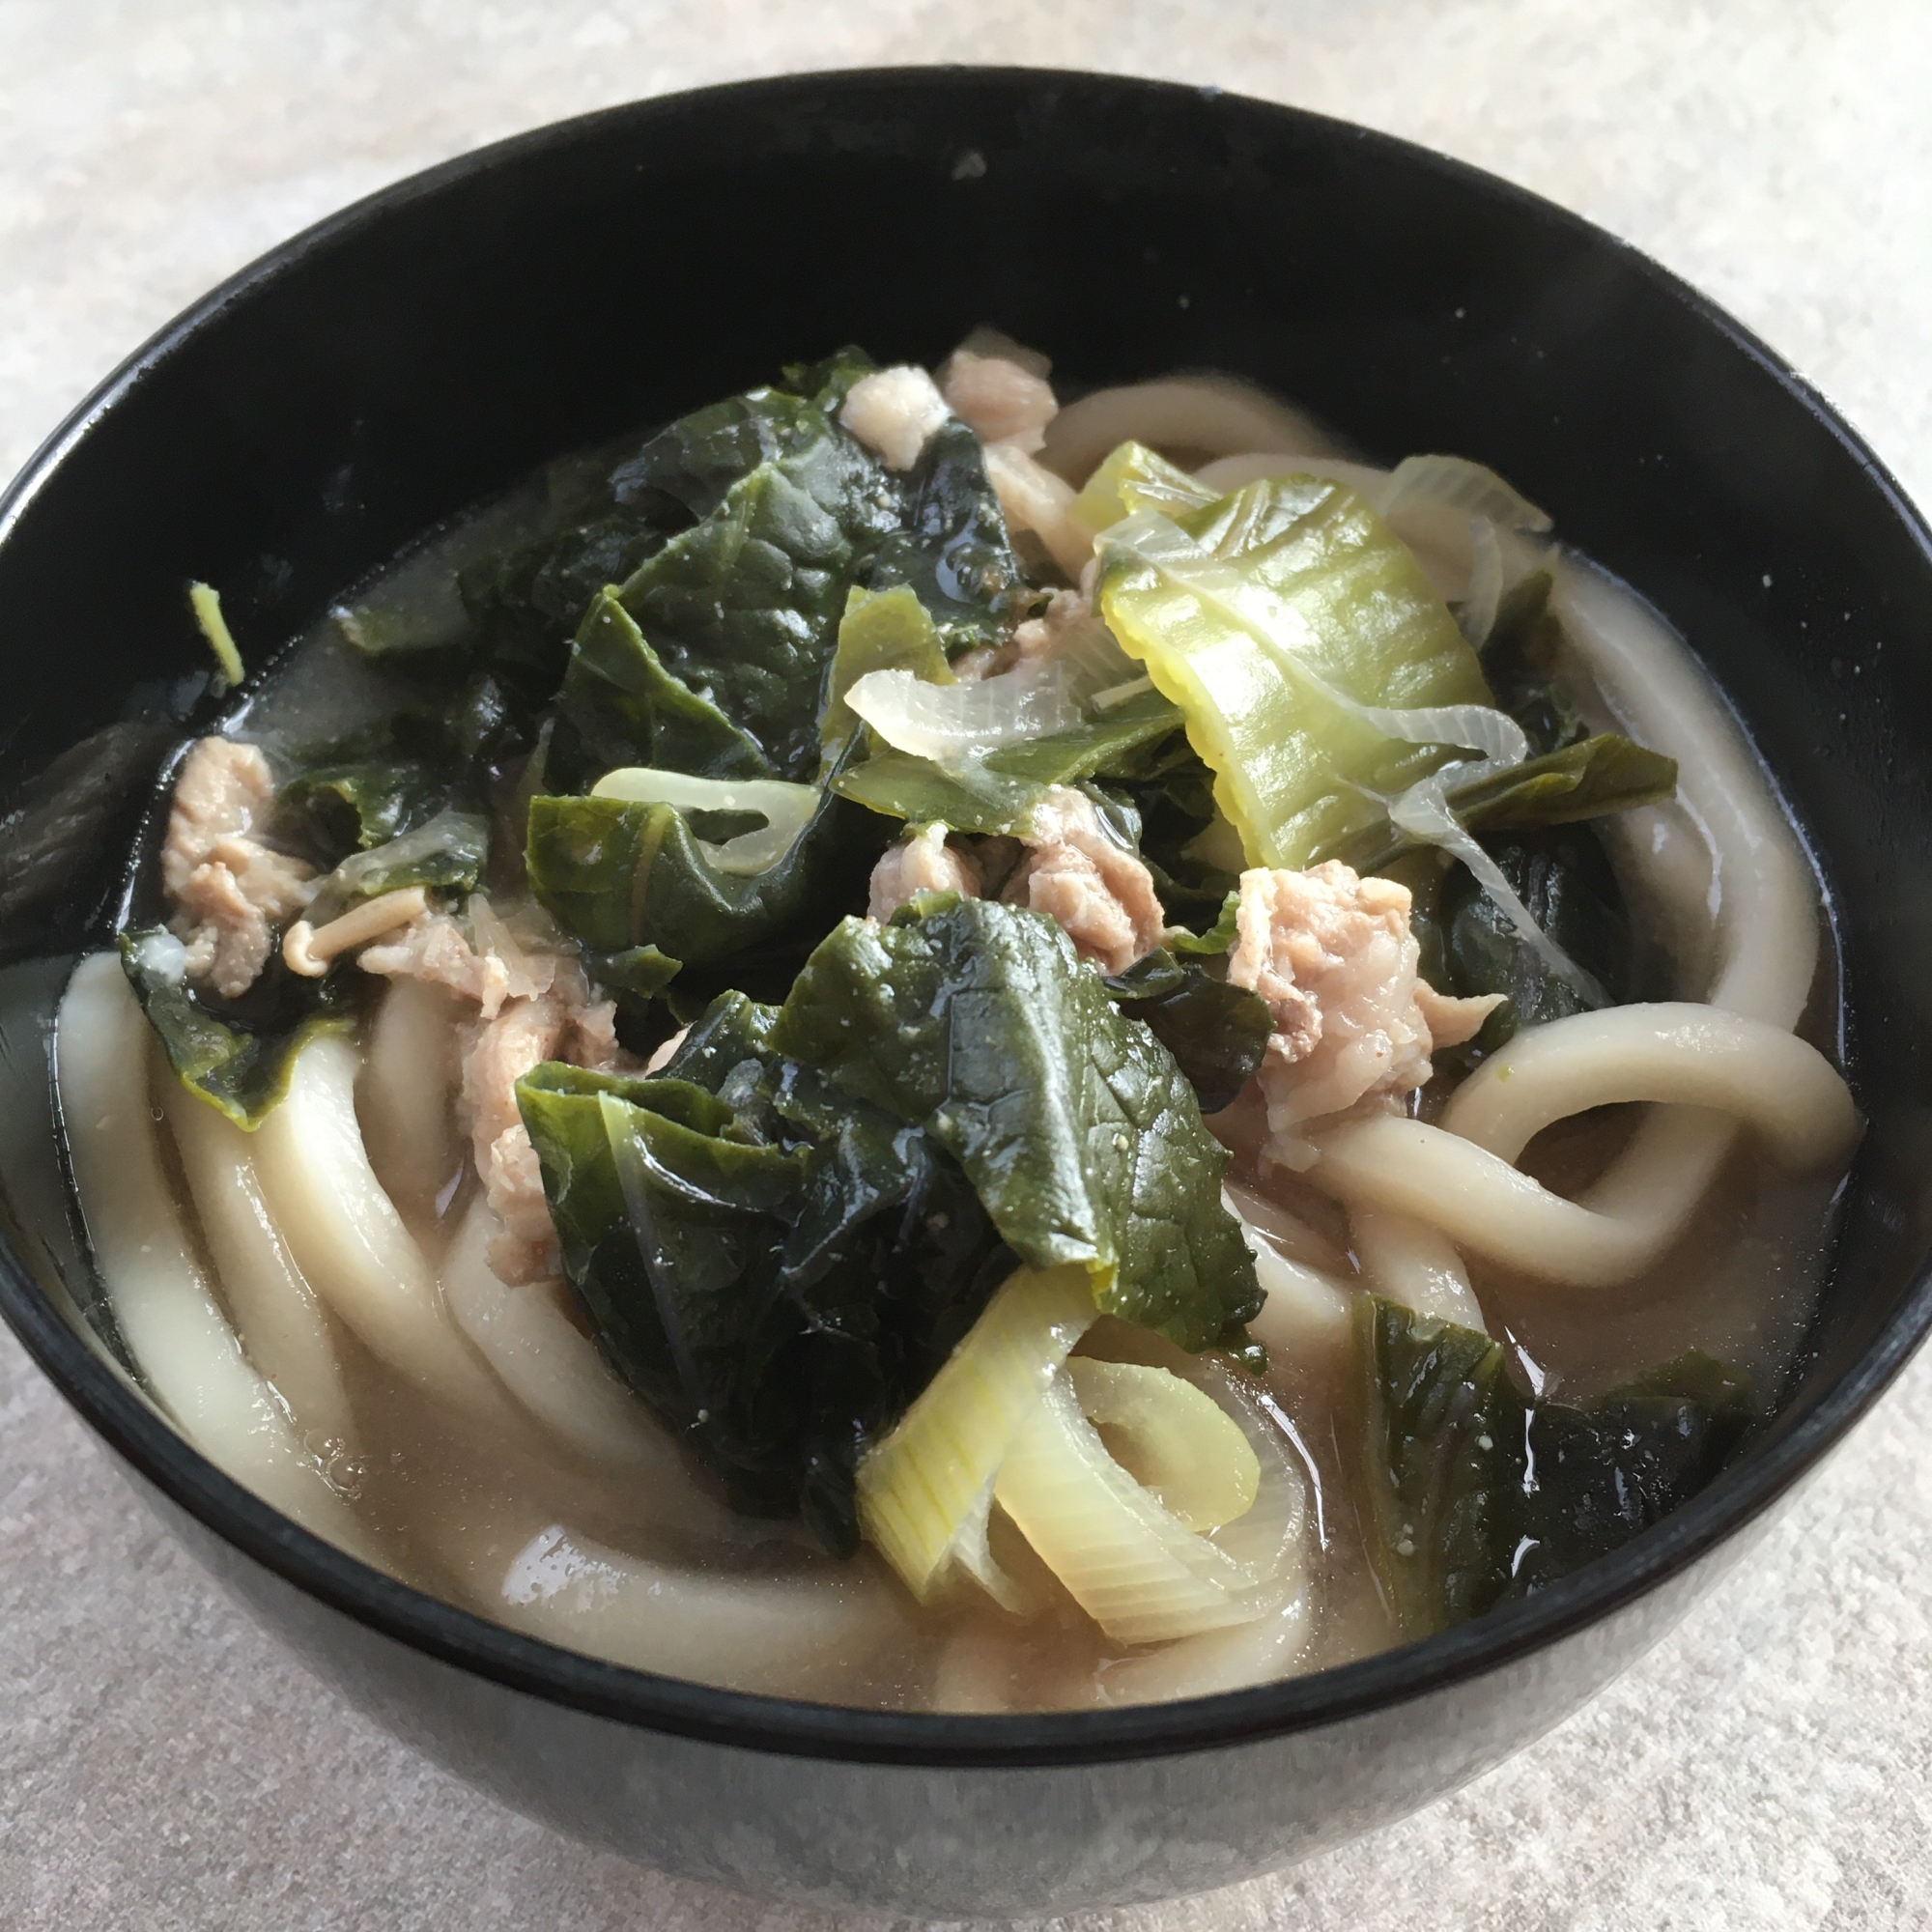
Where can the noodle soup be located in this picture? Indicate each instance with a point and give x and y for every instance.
(907, 1047)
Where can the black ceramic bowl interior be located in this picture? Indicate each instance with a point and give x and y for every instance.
(434, 344)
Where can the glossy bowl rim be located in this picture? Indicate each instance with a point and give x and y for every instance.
(782, 1726)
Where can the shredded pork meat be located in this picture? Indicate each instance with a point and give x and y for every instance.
(1004, 403)
(1067, 618)
(1333, 957)
(1098, 889)
(1072, 868)
(436, 949)
(533, 1004)
(230, 889)
(894, 411)
(925, 863)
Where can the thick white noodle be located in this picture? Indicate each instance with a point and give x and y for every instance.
(349, 1240)
(1760, 937)
(189, 1356)
(283, 1326)
(1762, 890)
(1289, 1232)
(1191, 413)
(1223, 1659)
(547, 1363)
(405, 1095)
(1413, 1263)
(1305, 1315)
(787, 1635)
(979, 1669)
(1785, 1088)
(1714, 1067)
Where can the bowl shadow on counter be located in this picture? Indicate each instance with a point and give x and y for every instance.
(428, 348)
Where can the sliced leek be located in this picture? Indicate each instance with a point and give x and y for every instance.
(926, 1492)
(1176, 1441)
(1126, 1559)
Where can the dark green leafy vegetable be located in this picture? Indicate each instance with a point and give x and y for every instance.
(446, 855)
(1564, 878)
(743, 607)
(686, 471)
(1218, 938)
(620, 706)
(237, 1054)
(952, 547)
(636, 978)
(1584, 780)
(1102, 747)
(777, 1269)
(999, 792)
(618, 875)
(881, 630)
(1173, 790)
(527, 603)
(1215, 1032)
(1474, 1492)
(975, 1021)
(828, 382)
(641, 972)
(973, 798)
(1520, 662)
(442, 747)
(335, 809)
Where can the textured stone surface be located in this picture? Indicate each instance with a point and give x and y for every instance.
(1769, 1767)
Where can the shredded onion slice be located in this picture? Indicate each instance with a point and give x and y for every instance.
(950, 723)
(1423, 812)
(1457, 483)
(786, 808)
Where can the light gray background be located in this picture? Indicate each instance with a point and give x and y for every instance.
(160, 1764)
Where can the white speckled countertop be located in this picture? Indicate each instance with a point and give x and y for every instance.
(1770, 1766)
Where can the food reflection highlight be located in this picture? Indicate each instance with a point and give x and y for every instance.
(903, 1046)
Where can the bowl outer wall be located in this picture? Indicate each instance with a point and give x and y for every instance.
(431, 345)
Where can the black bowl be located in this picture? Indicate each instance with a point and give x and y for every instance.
(435, 343)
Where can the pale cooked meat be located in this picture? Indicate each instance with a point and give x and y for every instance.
(1003, 403)
(1451, 1020)
(1067, 618)
(562, 1024)
(512, 1033)
(230, 889)
(435, 948)
(924, 862)
(1333, 957)
(524, 1249)
(894, 411)
(1034, 498)
(497, 1054)
(1077, 873)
